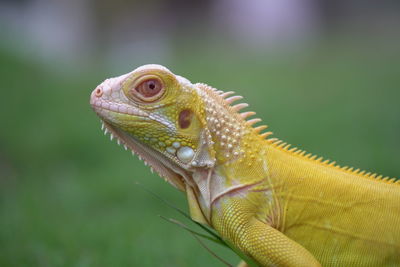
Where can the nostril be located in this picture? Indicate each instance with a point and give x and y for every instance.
(98, 92)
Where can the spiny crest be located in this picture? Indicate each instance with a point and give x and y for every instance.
(228, 99)
(301, 153)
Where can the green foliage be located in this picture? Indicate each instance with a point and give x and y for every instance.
(68, 195)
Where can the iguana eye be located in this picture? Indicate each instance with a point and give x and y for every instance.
(148, 90)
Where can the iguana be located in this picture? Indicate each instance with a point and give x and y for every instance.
(277, 204)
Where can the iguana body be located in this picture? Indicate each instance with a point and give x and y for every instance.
(276, 204)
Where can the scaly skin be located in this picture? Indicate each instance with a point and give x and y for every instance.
(278, 205)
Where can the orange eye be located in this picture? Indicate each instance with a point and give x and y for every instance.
(149, 90)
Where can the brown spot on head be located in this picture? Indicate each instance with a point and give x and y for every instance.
(185, 118)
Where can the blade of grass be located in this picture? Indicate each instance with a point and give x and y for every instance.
(192, 231)
(249, 261)
(195, 235)
(208, 230)
(222, 242)
(211, 252)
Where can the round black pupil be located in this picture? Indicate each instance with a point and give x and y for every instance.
(152, 85)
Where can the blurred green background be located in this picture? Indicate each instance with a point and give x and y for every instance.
(324, 75)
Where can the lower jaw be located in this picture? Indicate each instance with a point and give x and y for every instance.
(154, 159)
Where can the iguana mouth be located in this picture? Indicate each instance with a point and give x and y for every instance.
(171, 172)
(99, 104)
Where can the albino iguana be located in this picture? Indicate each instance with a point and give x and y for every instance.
(279, 205)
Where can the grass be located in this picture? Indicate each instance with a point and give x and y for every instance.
(68, 195)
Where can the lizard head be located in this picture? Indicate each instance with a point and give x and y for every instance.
(160, 117)
(190, 134)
